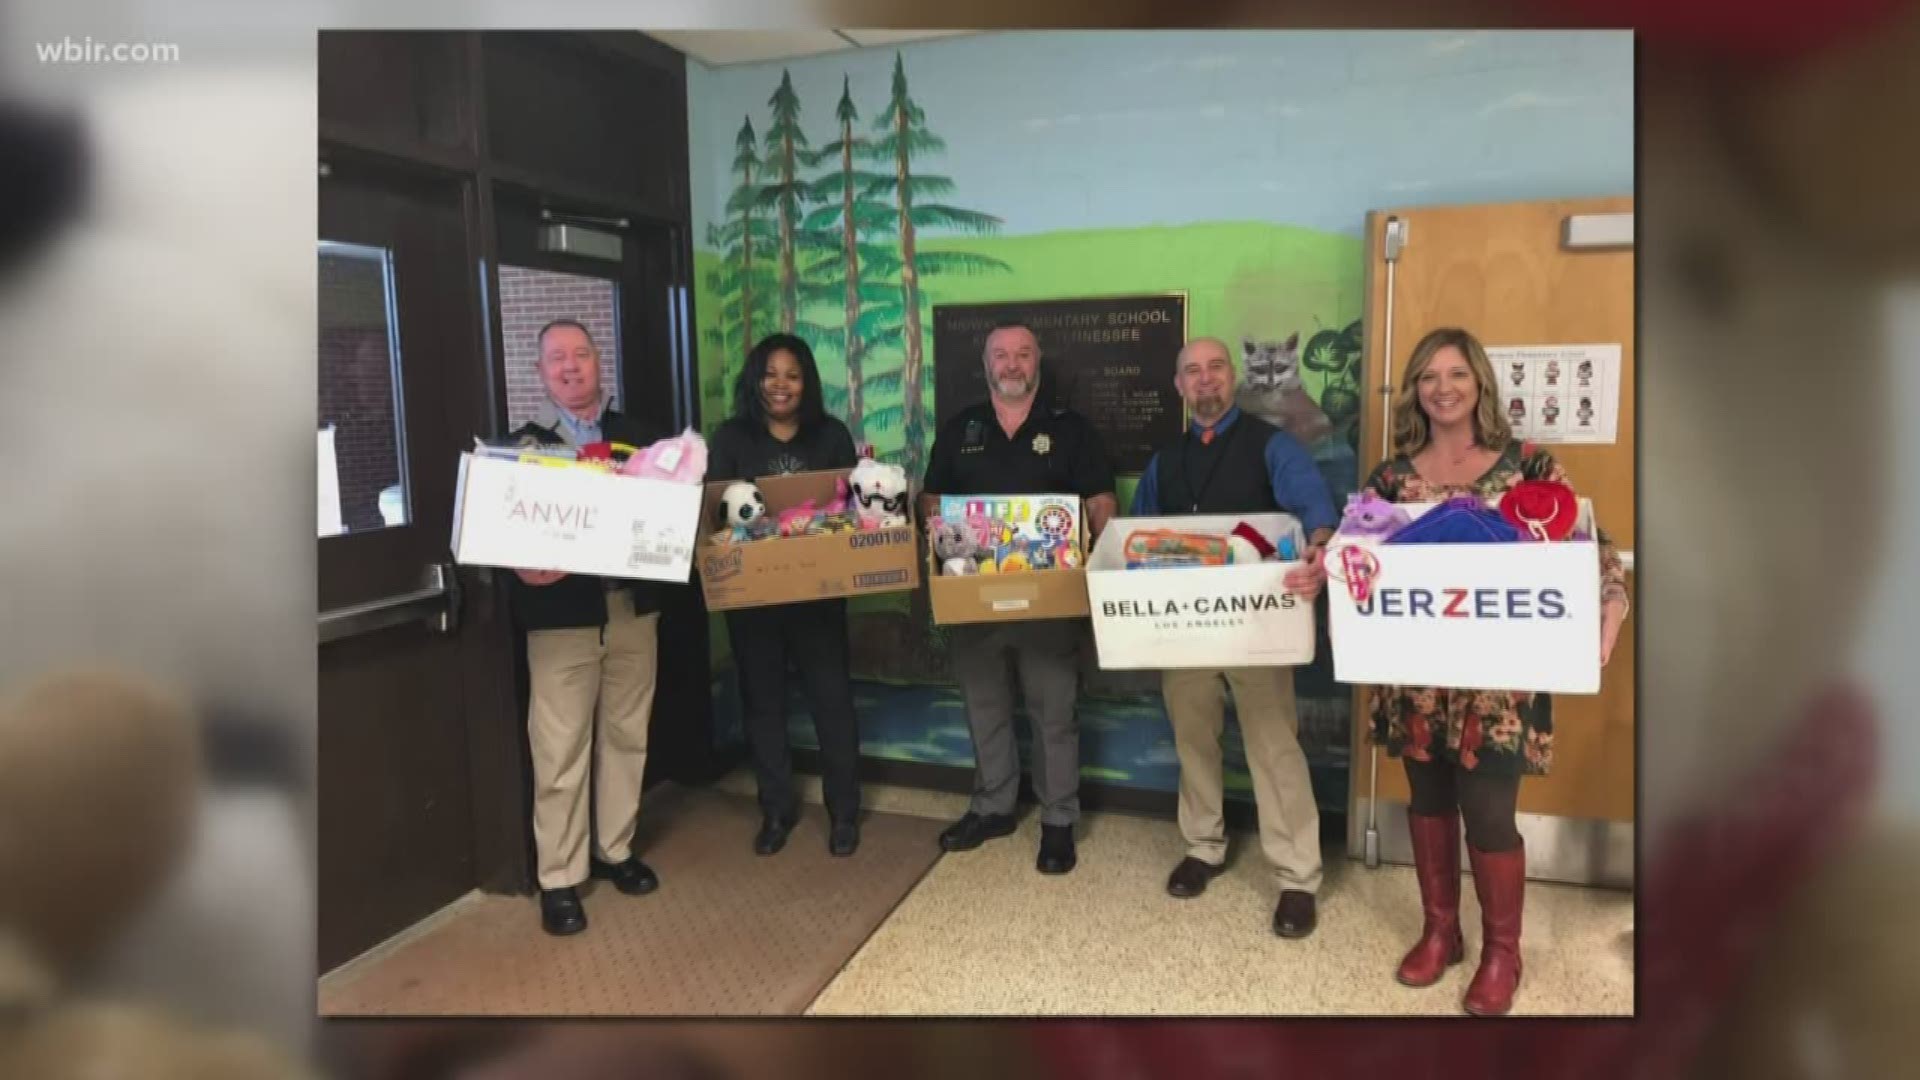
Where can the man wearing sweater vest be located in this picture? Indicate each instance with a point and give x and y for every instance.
(1229, 462)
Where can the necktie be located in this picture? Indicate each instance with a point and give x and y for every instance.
(1206, 436)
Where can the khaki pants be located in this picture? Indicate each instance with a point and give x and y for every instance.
(589, 682)
(1282, 790)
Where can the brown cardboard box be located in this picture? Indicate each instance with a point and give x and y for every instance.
(1023, 597)
(789, 569)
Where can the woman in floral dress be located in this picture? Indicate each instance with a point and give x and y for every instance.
(1466, 750)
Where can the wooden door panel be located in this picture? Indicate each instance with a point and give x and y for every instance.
(1500, 272)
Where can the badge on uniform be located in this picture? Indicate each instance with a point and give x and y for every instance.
(1042, 443)
(974, 435)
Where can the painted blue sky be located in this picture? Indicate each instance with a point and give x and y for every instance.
(1104, 129)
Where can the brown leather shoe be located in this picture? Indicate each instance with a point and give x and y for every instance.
(1190, 877)
(1294, 917)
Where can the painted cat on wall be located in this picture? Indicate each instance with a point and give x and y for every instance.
(1270, 389)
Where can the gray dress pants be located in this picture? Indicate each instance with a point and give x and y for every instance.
(1045, 653)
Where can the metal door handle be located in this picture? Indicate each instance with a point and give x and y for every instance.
(437, 602)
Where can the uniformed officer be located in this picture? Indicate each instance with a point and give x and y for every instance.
(1228, 462)
(1019, 442)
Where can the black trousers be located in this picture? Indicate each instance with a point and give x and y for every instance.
(1486, 801)
(812, 636)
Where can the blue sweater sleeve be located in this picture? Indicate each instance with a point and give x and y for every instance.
(1146, 495)
(1297, 484)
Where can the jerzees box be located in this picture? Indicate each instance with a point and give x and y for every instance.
(1497, 616)
(1197, 616)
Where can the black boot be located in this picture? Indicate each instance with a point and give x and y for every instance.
(844, 838)
(632, 877)
(774, 830)
(973, 829)
(1056, 849)
(561, 913)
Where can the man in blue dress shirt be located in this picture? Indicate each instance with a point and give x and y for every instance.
(1228, 462)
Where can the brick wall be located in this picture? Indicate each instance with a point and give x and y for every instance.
(528, 300)
(356, 384)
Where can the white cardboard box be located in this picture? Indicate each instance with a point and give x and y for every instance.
(1197, 616)
(542, 517)
(1519, 616)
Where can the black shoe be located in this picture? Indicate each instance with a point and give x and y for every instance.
(632, 877)
(1294, 917)
(772, 835)
(561, 913)
(844, 838)
(1191, 876)
(973, 829)
(1056, 849)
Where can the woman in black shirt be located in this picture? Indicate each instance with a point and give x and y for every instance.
(780, 425)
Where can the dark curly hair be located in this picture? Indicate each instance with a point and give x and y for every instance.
(746, 389)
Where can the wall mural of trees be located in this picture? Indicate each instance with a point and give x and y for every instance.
(821, 242)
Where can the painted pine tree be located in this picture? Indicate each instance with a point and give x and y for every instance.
(785, 191)
(903, 137)
(848, 215)
(739, 280)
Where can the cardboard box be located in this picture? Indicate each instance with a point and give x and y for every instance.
(1197, 616)
(783, 570)
(1017, 597)
(1022, 597)
(542, 517)
(1519, 616)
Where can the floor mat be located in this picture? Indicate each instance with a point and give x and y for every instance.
(727, 933)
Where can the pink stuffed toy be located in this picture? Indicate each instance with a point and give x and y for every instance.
(681, 459)
(797, 520)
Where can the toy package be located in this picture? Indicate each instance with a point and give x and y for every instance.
(681, 459)
(1008, 534)
(1154, 549)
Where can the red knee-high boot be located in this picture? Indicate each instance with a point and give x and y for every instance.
(1500, 880)
(1436, 864)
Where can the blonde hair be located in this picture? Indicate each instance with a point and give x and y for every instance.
(1411, 431)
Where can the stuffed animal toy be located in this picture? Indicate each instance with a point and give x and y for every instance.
(842, 497)
(72, 745)
(743, 515)
(1246, 545)
(798, 520)
(742, 504)
(879, 494)
(681, 459)
(955, 547)
(1368, 514)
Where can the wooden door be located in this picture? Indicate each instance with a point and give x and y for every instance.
(1501, 272)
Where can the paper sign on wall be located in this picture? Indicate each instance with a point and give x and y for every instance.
(330, 517)
(1559, 393)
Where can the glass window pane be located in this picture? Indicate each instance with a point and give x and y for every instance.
(531, 298)
(361, 419)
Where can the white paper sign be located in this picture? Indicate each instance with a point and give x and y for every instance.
(1198, 616)
(331, 523)
(542, 517)
(1559, 393)
(1513, 616)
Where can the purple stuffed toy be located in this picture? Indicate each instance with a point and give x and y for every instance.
(1368, 514)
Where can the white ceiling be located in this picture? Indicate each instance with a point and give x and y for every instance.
(716, 48)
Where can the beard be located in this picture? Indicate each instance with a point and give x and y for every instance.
(1013, 387)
